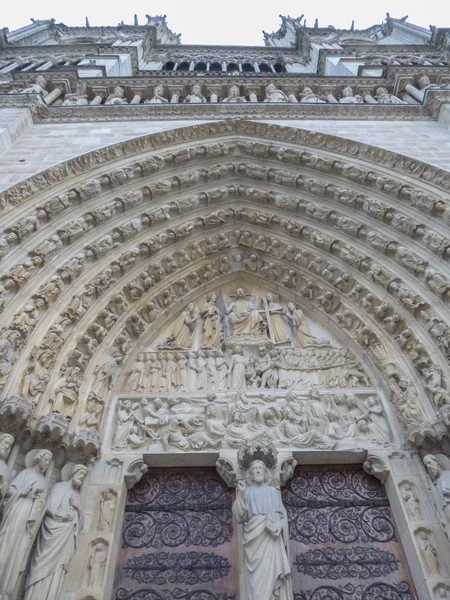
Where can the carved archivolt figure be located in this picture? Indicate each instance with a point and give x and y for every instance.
(258, 507)
(56, 543)
(22, 513)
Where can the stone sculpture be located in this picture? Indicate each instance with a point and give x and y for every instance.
(6, 442)
(196, 96)
(234, 95)
(158, 96)
(275, 95)
(243, 317)
(349, 98)
(22, 513)
(56, 543)
(258, 507)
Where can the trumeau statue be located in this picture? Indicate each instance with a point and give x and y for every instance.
(56, 543)
(260, 511)
(22, 513)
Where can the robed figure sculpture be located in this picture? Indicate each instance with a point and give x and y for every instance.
(258, 507)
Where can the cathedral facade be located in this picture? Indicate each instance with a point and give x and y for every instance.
(224, 314)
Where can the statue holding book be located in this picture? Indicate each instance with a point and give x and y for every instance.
(258, 507)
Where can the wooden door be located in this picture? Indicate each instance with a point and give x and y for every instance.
(178, 540)
(343, 541)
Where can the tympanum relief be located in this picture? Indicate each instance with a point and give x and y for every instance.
(240, 364)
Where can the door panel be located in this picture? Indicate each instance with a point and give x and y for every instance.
(178, 540)
(343, 541)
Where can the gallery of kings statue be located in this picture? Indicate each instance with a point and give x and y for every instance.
(224, 314)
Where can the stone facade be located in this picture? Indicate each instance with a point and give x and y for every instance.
(232, 258)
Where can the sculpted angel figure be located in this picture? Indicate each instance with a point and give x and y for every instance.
(258, 507)
(183, 330)
(300, 329)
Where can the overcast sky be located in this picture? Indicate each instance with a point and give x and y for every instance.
(227, 21)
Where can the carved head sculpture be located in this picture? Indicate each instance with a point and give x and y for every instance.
(258, 473)
(432, 465)
(42, 460)
(197, 89)
(6, 442)
(78, 475)
(41, 81)
(119, 92)
(159, 90)
(271, 88)
(234, 91)
(347, 92)
(236, 417)
(381, 91)
(424, 81)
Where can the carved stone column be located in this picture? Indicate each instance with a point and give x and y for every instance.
(424, 541)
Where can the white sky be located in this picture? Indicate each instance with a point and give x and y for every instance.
(234, 22)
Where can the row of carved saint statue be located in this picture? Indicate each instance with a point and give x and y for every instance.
(216, 370)
(31, 514)
(192, 424)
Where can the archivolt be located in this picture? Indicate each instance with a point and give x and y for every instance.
(83, 257)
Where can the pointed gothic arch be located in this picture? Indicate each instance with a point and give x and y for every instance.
(83, 232)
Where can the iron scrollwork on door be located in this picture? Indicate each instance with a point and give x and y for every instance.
(182, 568)
(374, 591)
(343, 540)
(338, 506)
(176, 594)
(354, 562)
(175, 509)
